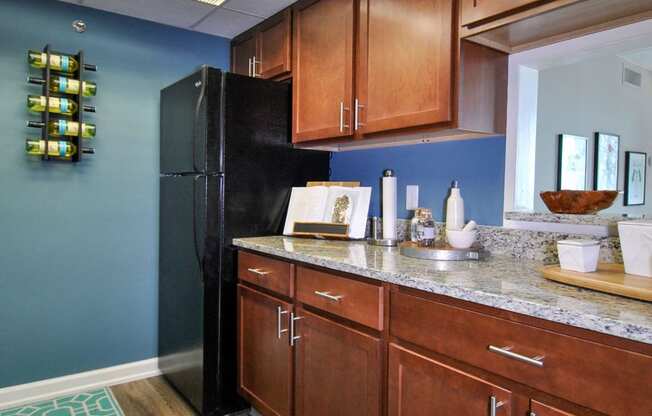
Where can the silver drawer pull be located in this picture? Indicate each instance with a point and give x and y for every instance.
(279, 329)
(328, 296)
(494, 405)
(258, 272)
(507, 352)
(293, 330)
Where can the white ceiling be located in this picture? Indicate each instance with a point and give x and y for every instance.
(227, 20)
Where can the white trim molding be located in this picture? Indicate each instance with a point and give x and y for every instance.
(55, 387)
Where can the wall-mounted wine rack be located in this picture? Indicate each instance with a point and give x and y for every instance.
(77, 116)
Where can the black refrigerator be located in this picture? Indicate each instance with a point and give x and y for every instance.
(227, 168)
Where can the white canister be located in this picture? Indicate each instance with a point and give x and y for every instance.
(636, 242)
(579, 255)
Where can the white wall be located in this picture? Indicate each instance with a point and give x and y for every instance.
(585, 97)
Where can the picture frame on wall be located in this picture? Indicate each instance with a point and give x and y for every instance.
(606, 160)
(572, 157)
(635, 178)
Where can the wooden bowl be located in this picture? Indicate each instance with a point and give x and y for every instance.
(578, 202)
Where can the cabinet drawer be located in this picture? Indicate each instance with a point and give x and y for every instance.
(606, 379)
(265, 272)
(475, 10)
(351, 299)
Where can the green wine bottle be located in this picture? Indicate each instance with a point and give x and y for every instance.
(59, 128)
(67, 85)
(59, 149)
(57, 105)
(59, 63)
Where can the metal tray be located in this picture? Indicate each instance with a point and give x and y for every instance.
(441, 251)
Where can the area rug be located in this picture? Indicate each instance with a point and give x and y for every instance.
(93, 403)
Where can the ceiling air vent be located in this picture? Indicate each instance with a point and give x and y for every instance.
(631, 77)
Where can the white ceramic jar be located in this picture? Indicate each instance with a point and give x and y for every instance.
(636, 242)
(579, 255)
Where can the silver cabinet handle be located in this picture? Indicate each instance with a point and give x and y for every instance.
(258, 272)
(254, 62)
(279, 329)
(294, 338)
(357, 122)
(342, 125)
(532, 414)
(494, 405)
(328, 296)
(249, 66)
(507, 352)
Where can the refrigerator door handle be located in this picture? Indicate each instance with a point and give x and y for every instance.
(195, 121)
(198, 256)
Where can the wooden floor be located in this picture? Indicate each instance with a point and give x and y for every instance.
(150, 397)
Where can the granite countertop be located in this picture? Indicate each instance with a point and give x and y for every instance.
(549, 217)
(499, 281)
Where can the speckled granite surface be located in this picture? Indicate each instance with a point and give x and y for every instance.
(599, 219)
(502, 282)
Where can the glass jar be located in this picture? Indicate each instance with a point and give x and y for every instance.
(422, 227)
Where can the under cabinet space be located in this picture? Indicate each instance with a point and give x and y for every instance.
(473, 11)
(338, 369)
(422, 386)
(265, 369)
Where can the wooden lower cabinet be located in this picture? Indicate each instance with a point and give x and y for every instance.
(338, 369)
(421, 386)
(265, 362)
(540, 409)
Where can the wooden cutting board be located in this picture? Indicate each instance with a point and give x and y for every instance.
(609, 278)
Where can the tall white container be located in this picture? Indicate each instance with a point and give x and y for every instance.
(636, 242)
(389, 205)
(455, 209)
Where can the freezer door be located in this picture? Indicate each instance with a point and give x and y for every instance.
(184, 126)
(181, 287)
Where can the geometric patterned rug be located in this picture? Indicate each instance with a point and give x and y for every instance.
(93, 403)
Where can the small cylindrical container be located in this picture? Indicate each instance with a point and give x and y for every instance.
(579, 255)
(423, 228)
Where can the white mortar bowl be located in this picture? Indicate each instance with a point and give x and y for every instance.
(461, 239)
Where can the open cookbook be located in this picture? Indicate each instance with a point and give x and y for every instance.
(328, 210)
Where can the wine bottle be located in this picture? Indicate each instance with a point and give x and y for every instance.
(59, 128)
(59, 63)
(58, 105)
(67, 85)
(56, 148)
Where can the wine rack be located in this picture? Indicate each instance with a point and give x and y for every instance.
(77, 116)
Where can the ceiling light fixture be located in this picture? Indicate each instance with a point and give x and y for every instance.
(212, 2)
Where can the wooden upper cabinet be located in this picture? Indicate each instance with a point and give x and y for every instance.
(338, 369)
(322, 68)
(265, 361)
(476, 10)
(242, 53)
(274, 46)
(540, 409)
(420, 386)
(405, 64)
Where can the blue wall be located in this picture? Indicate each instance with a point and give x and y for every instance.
(78, 245)
(479, 165)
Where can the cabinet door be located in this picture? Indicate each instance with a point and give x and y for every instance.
(476, 10)
(404, 64)
(420, 386)
(322, 69)
(338, 369)
(274, 46)
(242, 55)
(540, 409)
(265, 367)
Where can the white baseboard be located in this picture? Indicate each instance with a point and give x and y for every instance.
(48, 389)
